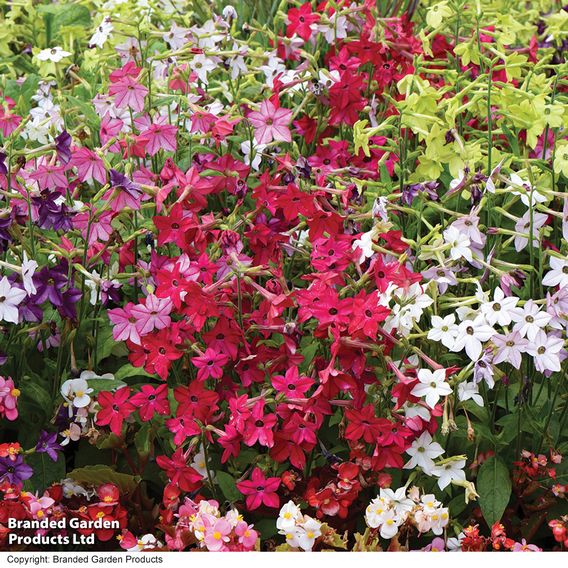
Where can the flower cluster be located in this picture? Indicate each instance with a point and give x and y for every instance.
(297, 253)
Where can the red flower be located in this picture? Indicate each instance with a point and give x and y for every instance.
(115, 408)
(363, 424)
(300, 21)
(259, 426)
(178, 472)
(151, 400)
(260, 490)
(210, 364)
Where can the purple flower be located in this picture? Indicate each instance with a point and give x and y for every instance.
(3, 168)
(49, 283)
(14, 471)
(63, 147)
(129, 195)
(47, 443)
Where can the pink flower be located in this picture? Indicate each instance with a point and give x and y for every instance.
(100, 228)
(258, 427)
(271, 123)
(292, 384)
(153, 314)
(89, 166)
(160, 137)
(217, 535)
(8, 398)
(210, 364)
(260, 490)
(125, 324)
(247, 535)
(128, 93)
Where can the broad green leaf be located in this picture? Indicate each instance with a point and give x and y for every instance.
(46, 471)
(98, 474)
(228, 486)
(494, 488)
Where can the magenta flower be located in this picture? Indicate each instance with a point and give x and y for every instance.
(271, 123)
(260, 490)
(210, 364)
(89, 166)
(153, 314)
(160, 137)
(128, 93)
(125, 324)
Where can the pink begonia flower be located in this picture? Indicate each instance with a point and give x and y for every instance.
(247, 535)
(128, 93)
(271, 123)
(161, 136)
(8, 399)
(124, 324)
(217, 535)
(260, 490)
(89, 166)
(153, 314)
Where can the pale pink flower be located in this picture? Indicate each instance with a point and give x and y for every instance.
(128, 93)
(153, 314)
(124, 324)
(271, 123)
(217, 535)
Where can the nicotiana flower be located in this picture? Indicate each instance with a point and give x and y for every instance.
(469, 391)
(271, 123)
(470, 336)
(423, 451)
(545, 349)
(510, 348)
(558, 274)
(449, 471)
(10, 299)
(444, 330)
(459, 244)
(55, 54)
(530, 320)
(432, 386)
(500, 310)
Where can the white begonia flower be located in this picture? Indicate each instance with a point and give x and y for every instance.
(444, 330)
(289, 514)
(308, 532)
(432, 386)
(76, 392)
(423, 451)
(398, 500)
(448, 472)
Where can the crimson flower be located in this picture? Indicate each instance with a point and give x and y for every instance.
(210, 364)
(300, 21)
(115, 408)
(260, 490)
(151, 400)
(178, 472)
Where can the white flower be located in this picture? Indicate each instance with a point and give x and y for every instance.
(423, 451)
(292, 536)
(432, 386)
(176, 37)
(308, 532)
(470, 336)
(545, 348)
(28, 270)
(523, 226)
(375, 512)
(510, 348)
(448, 472)
(288, 516)
(199, 463)
(444, 330)
(398, 499)
(102, 33)
(438, 520)
(390, 524)
(530, 196)
(500, 310)
(459, 244)
(257, 150)
(365, 245)
(10, 299)
(203, 65)
(558, 275)
(76, 391)
(530, 320)
(467, 391)
(55, 54)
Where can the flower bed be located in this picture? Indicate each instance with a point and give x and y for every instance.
(283, 276)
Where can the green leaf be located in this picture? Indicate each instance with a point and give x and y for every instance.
(130, 371)
(98, 474)
(46, 471)
(99, 385)
(494, 488)
(228, 486)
